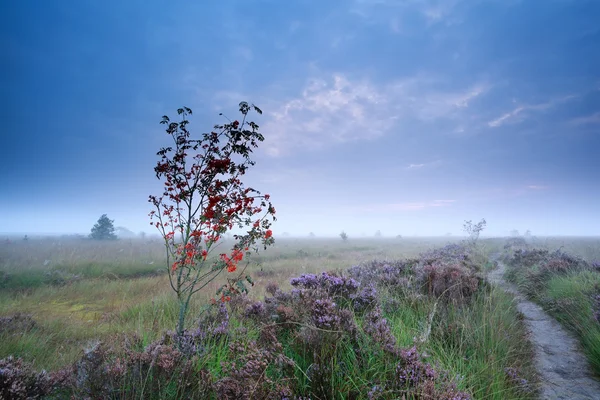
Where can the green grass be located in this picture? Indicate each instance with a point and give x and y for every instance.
(571, 304)
(479, 341)
(475, 342)
(568, 298)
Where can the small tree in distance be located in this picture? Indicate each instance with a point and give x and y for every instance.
(344, 236)
(103, 229)
(474, 230)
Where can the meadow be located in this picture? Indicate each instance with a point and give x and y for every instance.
(367, 318)
(80, 290)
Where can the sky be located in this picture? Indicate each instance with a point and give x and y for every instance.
(403, 116)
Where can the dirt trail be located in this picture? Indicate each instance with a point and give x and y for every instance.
(564, 371)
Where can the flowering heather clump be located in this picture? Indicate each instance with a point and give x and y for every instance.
(324, 314)
(328, 283)
(219, 322)
(453, 282)
(103, 371)
(18, 380)
(213, 325)
(247, 378)
(17, 323)
(365, 298)
(450, 252)
(563, 262)
(541, 265)
(448, 270)
(256, 311)
(411, 371)
(377, 327)
(383, 273)
(528, 258)
(189, 343)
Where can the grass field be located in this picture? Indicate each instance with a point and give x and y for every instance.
(69, 294)
(78, 290)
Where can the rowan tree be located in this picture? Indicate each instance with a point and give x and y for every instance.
(203, 199)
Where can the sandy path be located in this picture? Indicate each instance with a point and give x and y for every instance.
(564, 371)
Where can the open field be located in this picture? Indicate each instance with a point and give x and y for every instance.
(79, 290)
(59, 297)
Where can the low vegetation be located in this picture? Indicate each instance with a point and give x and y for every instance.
(567, 286)
(425, 326)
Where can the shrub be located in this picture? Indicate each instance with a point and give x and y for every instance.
(18, 380)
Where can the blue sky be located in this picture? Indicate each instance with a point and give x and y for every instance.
(403, 116)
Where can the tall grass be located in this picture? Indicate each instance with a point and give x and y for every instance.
(569, 295)
(570, 300)
(475, 342)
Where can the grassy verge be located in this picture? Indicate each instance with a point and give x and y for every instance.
(567, 287)
(480, 343)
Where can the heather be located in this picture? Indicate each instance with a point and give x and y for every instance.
(566, 285)
(423, 327)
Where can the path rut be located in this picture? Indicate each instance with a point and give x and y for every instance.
(564, 371)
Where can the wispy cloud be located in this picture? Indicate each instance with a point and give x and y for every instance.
(519, 113)
(424, 165)
(421, 98)
(339, 109)
(327, 111)
(587, 120)
(415, 166)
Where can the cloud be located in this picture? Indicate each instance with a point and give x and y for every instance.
(337, 109)
(500, 120)
(519, 114)
(416, 166)
(424, 165)
(433, 11)
(587, 120)
(327, 111)
(421, 97)
(537, 187)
